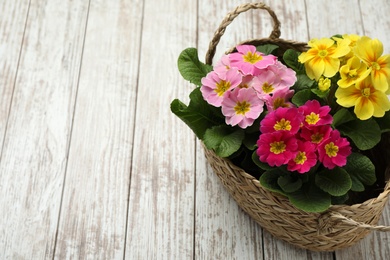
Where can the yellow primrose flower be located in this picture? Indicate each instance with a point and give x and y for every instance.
(324, 84)
(323, 57)
(368, 101)
(352, 38)
(370, 52)
(352, 72)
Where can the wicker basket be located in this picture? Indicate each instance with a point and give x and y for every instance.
(339, 227)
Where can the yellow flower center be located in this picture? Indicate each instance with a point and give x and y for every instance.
(323, 53)
(267, 88)
(242, 107)
(316, 138)
(366, 92)
(283, 124)
(331, 149)
(243, 86)
(252, 57)
(279, 102)
(277, 147)
(375, 66)
(222, 87)
(312, 119)
(352, 74)
(300, 158)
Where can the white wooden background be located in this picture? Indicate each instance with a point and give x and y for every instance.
(92, 163)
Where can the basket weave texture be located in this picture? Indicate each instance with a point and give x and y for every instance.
(339, 227)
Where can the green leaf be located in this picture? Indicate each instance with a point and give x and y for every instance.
(320, 93)
(384, 122)
(191, 68)
(198, 115)
(269, 180)
(310, 198)
(336, 182)
(361, 170)
(290, 57)
(302, 96)
(267, 48)
(289, 184)
(303, 82)
(250, 140)
(225, 140)
(340, 199)
(365, 134)
(260, 164)
(342, 116)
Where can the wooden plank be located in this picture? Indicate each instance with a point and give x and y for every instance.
(161, 209)
(94, 208)
(12, 25)
(223, 230)
(375, 246)
(36, 144)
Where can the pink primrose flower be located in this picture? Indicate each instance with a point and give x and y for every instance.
(249, 61)
(276, 148)
(316, 134)
(334, 151)
(280, 98)
(286, 76)
(282, 119)
(223, 65)
(315, 114)
(215, 86)
(305, 158)
(241, 107)
(265, 84)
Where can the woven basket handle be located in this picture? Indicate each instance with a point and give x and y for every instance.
(326, 226)
(229, 19)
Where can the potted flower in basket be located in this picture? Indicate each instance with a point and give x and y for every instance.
(306, 122)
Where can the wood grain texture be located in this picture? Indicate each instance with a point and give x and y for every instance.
(161, 209)
(223, 230)
(94, 208)
(12, 27)
(36, 144)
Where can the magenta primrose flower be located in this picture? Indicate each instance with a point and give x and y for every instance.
(334, 151)
(249, 61)
(276, 148)
(282, 119)
(241, 107)
(316, 134)
(315, 114)
(215, 86)
(305, 158)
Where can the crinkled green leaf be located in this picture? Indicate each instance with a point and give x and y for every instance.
(342, 116)
(302, 96)
(303, 82)
(260, 164)
(191, 68)
(269, 180)
(250, 140)
(361, 170)
(365, 134)
(267, 48)
(289, 184)
(290, 57)
(310, 198)
(224, 140)
(384, 122)
(336, 181)
(198, 115)
(319, 93)
(338, 200)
